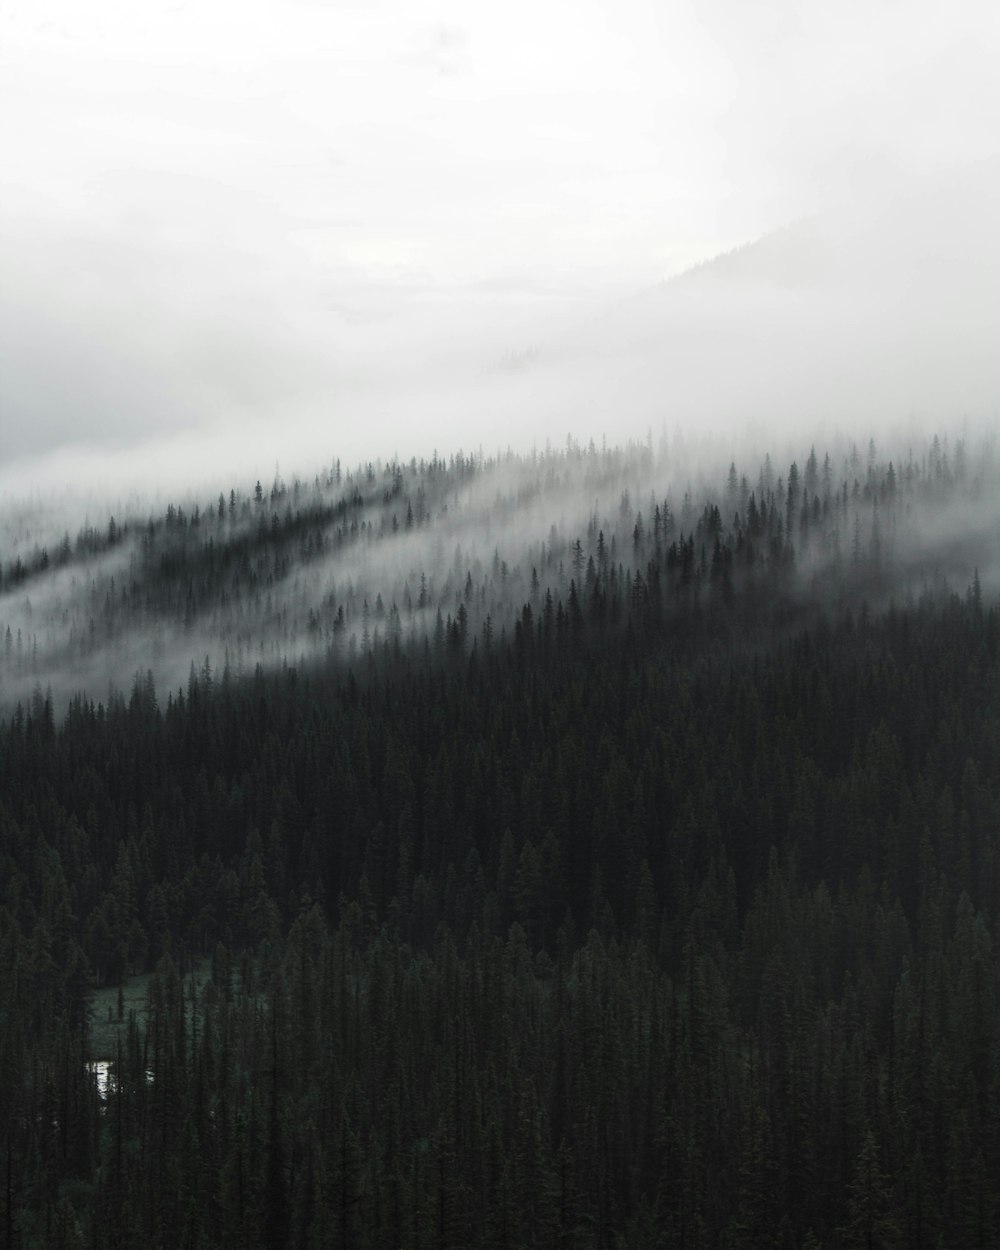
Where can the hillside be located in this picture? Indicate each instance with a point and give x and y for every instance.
(872, 314)
(395, 555)
(558, 856)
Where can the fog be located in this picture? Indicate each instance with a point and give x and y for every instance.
(874, 323)
(871, 323)
(878, 318)
(448, 553)
(232, 239)
(242, 245)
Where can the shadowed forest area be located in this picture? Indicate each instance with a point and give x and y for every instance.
(585, 851)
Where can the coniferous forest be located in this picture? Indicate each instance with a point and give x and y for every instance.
(573, 850)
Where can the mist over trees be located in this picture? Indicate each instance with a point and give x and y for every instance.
(581, 849)
(452, 551)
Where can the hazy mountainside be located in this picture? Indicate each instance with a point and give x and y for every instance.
(878, 311)
(452, 553)
(937, 231)
(653, 905)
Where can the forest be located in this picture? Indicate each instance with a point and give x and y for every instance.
(583, 849)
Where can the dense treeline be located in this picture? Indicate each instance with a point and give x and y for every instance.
(399, 553)
(661, 917)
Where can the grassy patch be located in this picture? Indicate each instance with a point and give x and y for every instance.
(105, 1024)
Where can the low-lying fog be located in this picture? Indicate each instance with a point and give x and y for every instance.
(449, 551)
(874, 321)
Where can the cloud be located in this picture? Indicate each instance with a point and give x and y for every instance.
(441, 48)
(324, 224)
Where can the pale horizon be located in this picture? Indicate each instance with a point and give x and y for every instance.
(232, 235)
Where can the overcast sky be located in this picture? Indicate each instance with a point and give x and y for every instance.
(224, 215)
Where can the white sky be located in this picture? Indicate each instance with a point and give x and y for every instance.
(225, 208)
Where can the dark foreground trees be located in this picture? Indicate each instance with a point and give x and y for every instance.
(625, 930)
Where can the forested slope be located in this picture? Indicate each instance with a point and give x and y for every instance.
(655, 906)
(397, 553)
